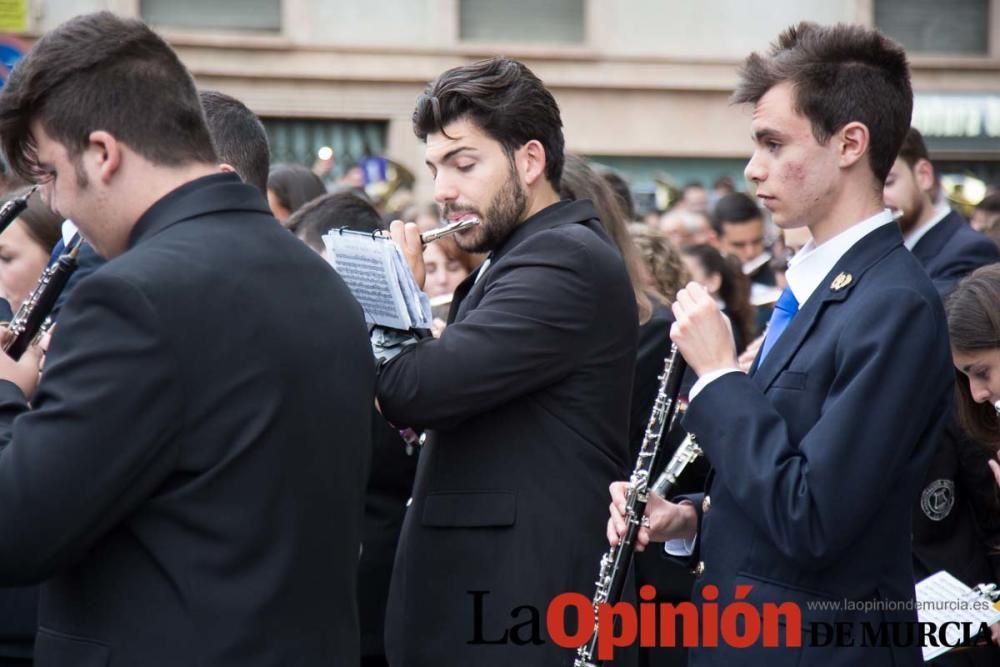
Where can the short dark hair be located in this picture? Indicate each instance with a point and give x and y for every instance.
(294, 185)
(840, 74)
(103, 72)
(504, 99)
(339, 209)
(735, 208)
(913, 148)
(239, 137)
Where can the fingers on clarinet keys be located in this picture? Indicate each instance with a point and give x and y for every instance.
(644, 522)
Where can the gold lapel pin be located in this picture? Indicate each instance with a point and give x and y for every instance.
(841, 281)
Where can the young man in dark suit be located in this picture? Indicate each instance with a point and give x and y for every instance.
(818, 453)
(188, 478)
(527, 390)
(943, 242)
(956, 518)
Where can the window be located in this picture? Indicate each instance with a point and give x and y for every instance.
(299, 140)
(548, 22)
(217, 14)
(932, 26)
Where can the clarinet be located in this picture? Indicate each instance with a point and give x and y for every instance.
(687, 452)
(615, 563)
(32, 320)
(13, 208)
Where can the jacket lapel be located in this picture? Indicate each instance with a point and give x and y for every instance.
(458, 300)
(836, 286)
(928, 247)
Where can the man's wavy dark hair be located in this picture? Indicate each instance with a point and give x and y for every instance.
(103, 72)
(504, 99)
(840, 74)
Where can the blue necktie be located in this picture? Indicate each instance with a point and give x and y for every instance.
(784, 311)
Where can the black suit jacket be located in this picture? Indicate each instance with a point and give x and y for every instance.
(389, 486)
(528, 389)
(189, 481)
(951, 249)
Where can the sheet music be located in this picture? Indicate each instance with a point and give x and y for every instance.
(942, 598)
(377, 274)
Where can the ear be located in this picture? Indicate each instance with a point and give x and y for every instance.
(923, 172)
(854, 142)
(532, 162)
(104, 153)
(227, 168)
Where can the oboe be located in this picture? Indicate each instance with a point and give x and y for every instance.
(14, 208)
(32, 319)
(615, 563)
(686, 453)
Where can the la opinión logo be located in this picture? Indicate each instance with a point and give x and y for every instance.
(738, 624)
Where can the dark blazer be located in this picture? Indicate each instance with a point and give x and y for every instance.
(389, 485)
(952, 249)
(189, 481)
(818, 454)
(528, 390)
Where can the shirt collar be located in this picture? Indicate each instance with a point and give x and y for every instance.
(940, 213)
(810, 266)
(69, 230)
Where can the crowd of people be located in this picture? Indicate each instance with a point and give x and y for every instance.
(202, 463)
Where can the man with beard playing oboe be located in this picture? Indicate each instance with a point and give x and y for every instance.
(527, 390)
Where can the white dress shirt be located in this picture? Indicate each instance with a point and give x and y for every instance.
(941, 211)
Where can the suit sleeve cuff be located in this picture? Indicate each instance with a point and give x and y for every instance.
(707, 379)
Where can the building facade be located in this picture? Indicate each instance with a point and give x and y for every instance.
(643, 84)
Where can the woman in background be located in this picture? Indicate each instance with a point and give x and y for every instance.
(446, 266)
(726, 282)
(580, 181)
(663, 268)
(973, 311)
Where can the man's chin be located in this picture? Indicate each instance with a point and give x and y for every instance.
(471, 241)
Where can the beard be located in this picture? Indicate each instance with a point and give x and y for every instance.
(911, 216)
(504, 213)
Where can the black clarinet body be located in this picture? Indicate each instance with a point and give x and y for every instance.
(616, 562)
(32, 318)
(13, 208)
